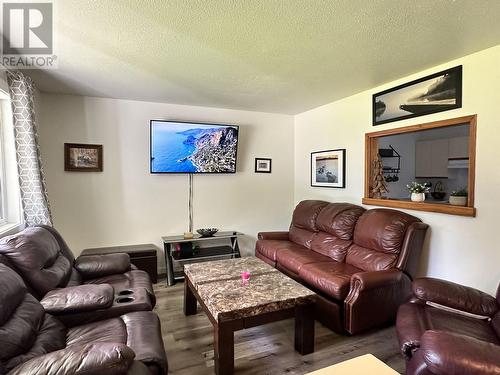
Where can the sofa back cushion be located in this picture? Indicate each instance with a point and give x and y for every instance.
(336, 223)
(339, 219)
(36, 256)
(26, 330)
(378, 239)
(303, 224)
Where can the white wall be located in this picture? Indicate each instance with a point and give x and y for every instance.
(125, 204)
(460, 249)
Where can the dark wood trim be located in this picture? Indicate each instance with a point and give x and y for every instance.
(69, 168)
(428, 125)
(442, 208)
(190, 305)
(371, 148)
(304, 329)
(223, 349)
(472, 161)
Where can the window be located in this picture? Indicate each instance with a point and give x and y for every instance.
(10, 204)
(440, 155)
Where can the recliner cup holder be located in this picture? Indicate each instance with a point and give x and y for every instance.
(125, 292)
(124, 299)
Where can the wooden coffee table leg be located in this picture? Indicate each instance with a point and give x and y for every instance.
(304, 329)
(223, 350)
(189, 299)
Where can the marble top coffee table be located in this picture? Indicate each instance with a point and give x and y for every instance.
(232, 305)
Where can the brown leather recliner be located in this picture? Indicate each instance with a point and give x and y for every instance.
(94, 287)
(34, 342)
(360, 262)
(447, 328)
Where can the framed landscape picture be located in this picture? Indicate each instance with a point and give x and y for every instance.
(435, 93)
(82, 157)
(328, 168)
(262, 165)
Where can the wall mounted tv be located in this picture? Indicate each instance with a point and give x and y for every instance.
(190, 147)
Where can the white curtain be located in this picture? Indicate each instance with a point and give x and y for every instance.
(34, 198)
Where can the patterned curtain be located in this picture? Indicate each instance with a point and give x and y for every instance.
(34, 198)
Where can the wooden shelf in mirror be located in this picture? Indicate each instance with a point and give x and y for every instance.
(371, 150)
(442, 208)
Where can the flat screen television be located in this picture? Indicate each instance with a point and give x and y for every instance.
(189, 147)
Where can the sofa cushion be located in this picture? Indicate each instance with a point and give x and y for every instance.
(36, 255)
(305, 214)
(378, 239)
(128, 280)
(269, 248)
(301, 237)
(382, 230)
(293, 259)
(133, 329)
(330, 245)
(332, 278)
(369, 260)
(339, 219)
(303, 224)
(26, 330)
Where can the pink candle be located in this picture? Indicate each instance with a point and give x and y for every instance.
(245, 276)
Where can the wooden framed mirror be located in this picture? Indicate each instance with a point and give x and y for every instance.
(440, 155)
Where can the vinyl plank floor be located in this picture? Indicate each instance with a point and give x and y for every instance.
(266, 349)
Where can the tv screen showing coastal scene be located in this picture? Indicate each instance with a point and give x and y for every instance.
(181, 147)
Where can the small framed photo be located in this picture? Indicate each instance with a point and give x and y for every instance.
(82, 157)
(262, 165)
(328, 168)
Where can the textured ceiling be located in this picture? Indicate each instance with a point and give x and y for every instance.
(283, 56)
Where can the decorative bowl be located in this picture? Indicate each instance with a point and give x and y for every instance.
(207, 232)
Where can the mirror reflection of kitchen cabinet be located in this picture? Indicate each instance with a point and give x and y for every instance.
(431, 158)
(458, 148)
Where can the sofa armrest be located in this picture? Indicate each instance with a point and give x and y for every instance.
(93, 266)
(454, 295)
(77, 299)
(273, 236)
(448, 353)
(375, 279)
(374, 298)
(97, 358)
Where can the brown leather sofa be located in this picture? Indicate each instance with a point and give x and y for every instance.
(76, 290)
(447, 328)
(360, 262)
(34, 342)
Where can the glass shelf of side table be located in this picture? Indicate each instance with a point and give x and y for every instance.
(180, 251)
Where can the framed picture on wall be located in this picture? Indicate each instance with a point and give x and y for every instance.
(431, 94)
(328, 168)
(262, 165)
(82, 157)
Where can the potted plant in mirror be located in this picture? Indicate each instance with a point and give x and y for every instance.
(458, 197)
(417, 191)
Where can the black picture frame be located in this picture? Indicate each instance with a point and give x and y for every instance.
(317, 156)
(258, 169)
(70, 165)
(448, 89)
